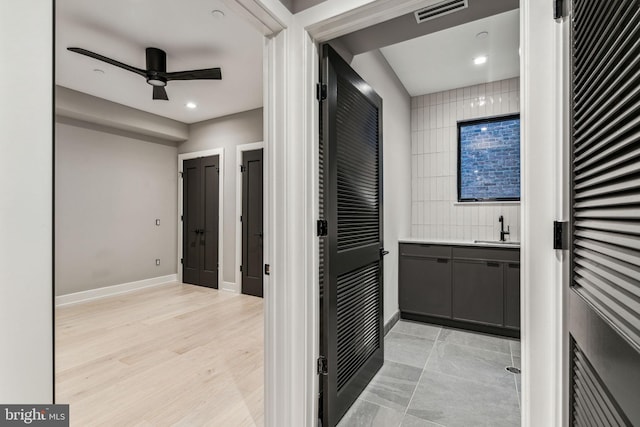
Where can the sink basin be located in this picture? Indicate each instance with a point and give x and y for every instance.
(497, 242)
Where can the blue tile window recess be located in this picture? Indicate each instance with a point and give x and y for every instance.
(489, 159)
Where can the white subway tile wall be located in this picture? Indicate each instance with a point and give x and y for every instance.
(435, 213)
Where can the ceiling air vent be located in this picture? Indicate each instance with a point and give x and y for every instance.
(439, 9)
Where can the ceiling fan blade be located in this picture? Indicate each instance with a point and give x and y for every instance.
(160, 93)
(107, 60)
(205, 74)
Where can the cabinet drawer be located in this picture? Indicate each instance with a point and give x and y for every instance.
(425, 250)
(488, 254)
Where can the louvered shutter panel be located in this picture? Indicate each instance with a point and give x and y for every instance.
(604, 302)
(606, 160)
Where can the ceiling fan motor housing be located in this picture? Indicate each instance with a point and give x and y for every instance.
(156, 59)
(156, 62)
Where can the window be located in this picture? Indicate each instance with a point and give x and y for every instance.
(489, 159)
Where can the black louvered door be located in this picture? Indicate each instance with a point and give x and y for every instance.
(604, 298)
(350, 254)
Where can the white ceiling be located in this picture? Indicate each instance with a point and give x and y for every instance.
(444, 60)
(192, 38)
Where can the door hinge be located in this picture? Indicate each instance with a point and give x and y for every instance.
(181, 260)
(560, 235)
(267, 269)
(558, 9)
(323, 227)
(240, 268)
(181, 217)
(323, 369)
(321, 91)
(242, 168)
(240, 218)
(181, 174)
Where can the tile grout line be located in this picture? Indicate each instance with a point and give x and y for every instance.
(485, 349)
(424, 368)
(465, 379)
(412, 335)
(382, 405)
(478, 348)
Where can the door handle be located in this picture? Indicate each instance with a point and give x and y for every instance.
(258, 234)
(383, 252)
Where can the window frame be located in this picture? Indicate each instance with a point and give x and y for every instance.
(471, 122)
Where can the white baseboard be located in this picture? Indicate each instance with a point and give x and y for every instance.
(230, 286)
(108, 291)
(391, 323)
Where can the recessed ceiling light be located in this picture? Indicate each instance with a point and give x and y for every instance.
(217, 14)
(479, 60)
(191, 105)
(482, 35)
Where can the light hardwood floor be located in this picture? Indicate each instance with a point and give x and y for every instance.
(175, 355)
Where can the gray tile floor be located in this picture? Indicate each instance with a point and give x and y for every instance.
(440, 377)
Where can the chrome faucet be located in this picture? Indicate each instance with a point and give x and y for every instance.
(502, 232)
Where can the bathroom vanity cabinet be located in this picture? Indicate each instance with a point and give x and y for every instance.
(462, 285)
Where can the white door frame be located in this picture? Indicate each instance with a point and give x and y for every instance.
(195, 155)
(240, 149)
(563, 208)
(545, 195)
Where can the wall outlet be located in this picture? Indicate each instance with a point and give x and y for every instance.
(157, 262)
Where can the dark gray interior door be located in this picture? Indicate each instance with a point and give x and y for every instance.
(252, 214)
(351, 265)
(604, 296)
(200, 230)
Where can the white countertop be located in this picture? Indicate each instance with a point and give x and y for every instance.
(491, 244)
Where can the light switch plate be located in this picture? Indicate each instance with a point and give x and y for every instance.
(157, 262)
(157, 222)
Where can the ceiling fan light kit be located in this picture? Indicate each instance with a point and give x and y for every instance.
(156, 72)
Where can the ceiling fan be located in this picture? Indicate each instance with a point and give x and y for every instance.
(156, 72)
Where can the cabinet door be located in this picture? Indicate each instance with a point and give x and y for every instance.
(478, 291)
(425, 286)
(512, 295)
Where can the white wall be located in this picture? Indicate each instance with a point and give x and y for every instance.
(435, 213)
(26, 225)
(396, 139)
(226, 132)
(110, 187)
